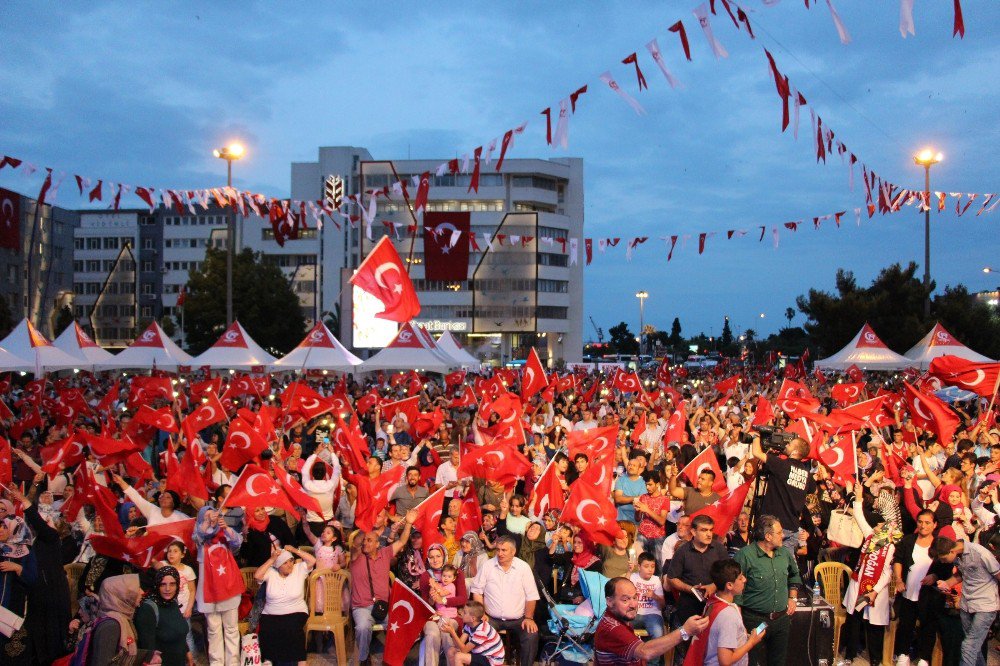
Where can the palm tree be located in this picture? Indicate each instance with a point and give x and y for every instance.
(751, 334)
(789, 315)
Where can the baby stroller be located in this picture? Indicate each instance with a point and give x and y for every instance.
(573, 634)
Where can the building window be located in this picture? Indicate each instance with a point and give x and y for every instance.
(553, 286)
(78, 266)
(147, 243)
(147, 266)
(111, 243)
(93, 265)
(79, 243)
(147, 289)
(147, 311)
(93, 243)
(547, 259)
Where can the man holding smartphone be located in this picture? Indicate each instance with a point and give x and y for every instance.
(726, 641)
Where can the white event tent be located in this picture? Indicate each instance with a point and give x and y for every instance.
(152, 349)
(413, 348)
(75, 342)
(13, 363)
(867, 351)
(939, 342)
(319, 350)
(235, 349)
(449, 345)
(27, 343)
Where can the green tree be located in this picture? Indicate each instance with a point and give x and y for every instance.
(7, 322)
(168, 325)
(726, 339)
(64, 317)
(789, 315)
(676, 341)
(893, 305)
(623, 340)
(751, 334)
(973, 322)
(263, 302)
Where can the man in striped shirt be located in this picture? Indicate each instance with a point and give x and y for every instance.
(479, 644)
(615, 643)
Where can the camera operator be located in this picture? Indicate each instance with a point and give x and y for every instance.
(788, 481)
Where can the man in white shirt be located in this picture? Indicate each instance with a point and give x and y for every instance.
(447, 473)
(587, 422)
(506, 586)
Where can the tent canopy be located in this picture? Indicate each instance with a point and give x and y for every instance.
(75, 342)
(449, 345)
(319, 350)
(152, 349)
(12, 363)
(939, 342)
(27, 343)
(867, 351)
(235, 349)
(413, 348)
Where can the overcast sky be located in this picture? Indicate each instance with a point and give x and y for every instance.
(141, 92)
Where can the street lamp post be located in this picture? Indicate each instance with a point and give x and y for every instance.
(229, 153)
(927, 158)
(642, 296)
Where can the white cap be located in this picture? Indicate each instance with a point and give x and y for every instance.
(283, 556)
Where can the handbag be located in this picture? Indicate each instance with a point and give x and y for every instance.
(380, 610)
(844, 529)
(249, 650)
(9, 620)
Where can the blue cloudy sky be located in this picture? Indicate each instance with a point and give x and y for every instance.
(140, 92)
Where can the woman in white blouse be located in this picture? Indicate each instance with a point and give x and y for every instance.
(282, 622)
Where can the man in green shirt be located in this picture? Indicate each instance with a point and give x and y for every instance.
(768, 596)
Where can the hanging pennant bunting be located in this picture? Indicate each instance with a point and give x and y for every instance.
(548, 125)
(634, 60)
(654, 50)
(575, 96)
(906, 18)
(633, 102)
(682, 33)
(845, 38)
(474, 181)
(701, 13)
(561, 135)
(959, 28)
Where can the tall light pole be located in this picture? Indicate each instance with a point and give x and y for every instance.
(927, 158)
(230, 153)
(642, 296)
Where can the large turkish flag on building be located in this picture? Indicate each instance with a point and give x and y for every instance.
(446, 246)
(383, 275)
(10, 220)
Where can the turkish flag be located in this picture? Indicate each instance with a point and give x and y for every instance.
(590, 508)
(145, 390)
(854, 372)
(794, 398)
(222, 577)
(6, 464)
(728, 385)
(383, 276)
(534, 379)
(980, 378)
(663, 372)
(373, 496)
(208, 413)
(846, 394)
(705, 460)
(495, 462)
(255, 488)
(110, 451)
(206, 386)
(161, 419)
(820, 377)
(467, 399)
(764, 412)
(140, 470)
(592, 442)
(446, 249)
(180, 530)
(408, 614)
(454, 378)
(470, 519)
(429, 518)
(10, 220)
(930, 413)
(548, 493)
(141, 551)
(243, 384)
(420, 202)
(68, 454)
(243, 444)
(186, 478)
(409, 407)
(725, 510)
(840, 455)
(874, 412)
(106, 405)
(367, 402)
(676, 424)
(301, 399)
(351, 446)
(295, 491)
(626, 382)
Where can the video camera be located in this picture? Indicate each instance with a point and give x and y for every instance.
(773, 440)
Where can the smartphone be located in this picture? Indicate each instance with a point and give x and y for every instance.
(697, 594)
(760, 628)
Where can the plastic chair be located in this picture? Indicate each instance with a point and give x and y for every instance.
(252, 585)
(334, 616)
(831, 576)
(73, 572)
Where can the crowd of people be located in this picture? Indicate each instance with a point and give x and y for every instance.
(115, 493)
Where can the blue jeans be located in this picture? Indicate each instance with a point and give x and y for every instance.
(653, 624)
(363, 623)
(975, 626)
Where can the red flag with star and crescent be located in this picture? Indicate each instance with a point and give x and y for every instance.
(495, 462)
(255, 488)
(222, 577)
(470, 518)
(243, 444)
(930, 413)
(429, 518)
(725, 510)
(373, 496)
(589, 508)
(534, 379)
(547, 495)
(383, 276)
(846, 394)
(6, 464)
(980, 378)
(705, 461)
(141, 551)
(408, 614)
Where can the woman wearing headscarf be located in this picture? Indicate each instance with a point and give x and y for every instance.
(159, 623)
(18, 574)
(263, 531)
(434, 639)
(535, 552)
(113, 639)
(48, 600)
(471, 555)
(410, 563)
(283, 620)
(584, 559)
